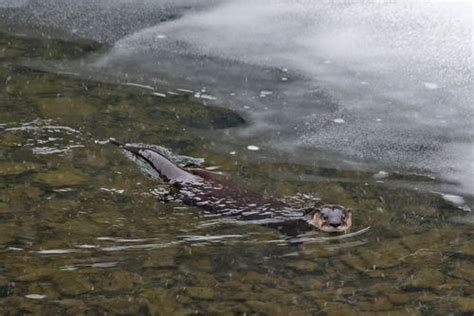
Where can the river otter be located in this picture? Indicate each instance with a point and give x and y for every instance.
(214, 192)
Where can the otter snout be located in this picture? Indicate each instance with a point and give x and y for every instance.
(330, 218)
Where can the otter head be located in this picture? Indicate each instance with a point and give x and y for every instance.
(330, 218)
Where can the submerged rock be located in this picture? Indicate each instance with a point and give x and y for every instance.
(72, 306)
(44, 47)
(121, 305)
(165, 258)
(339, 309)
(426, 278)
(12, 52)
(72, 283)
(16, 168)
(35, 274)
(355, 262)
(118, 281)
(77, 227)
(61, 178)
(464, 304)
(198, 263)
(387, 257)
(463, 270)
(467, 249)
(42, 291)
(162, 302)
(304, 266)
(200, 292)
(376, 305)
(3, 281)
(205, 279)
(15, 195)
(13, 304)
(272, 308)
(10, 139)
(201, 116)
(30, 85)
(7, 233)
(428, 240)
(65, 108)
(399, 298)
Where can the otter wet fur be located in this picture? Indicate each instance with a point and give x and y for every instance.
(214, 192)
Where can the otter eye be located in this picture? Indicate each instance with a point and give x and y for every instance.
(325, 217)
(343, 217)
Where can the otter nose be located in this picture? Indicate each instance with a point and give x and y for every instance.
(335, 224)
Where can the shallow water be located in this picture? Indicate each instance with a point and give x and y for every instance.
(83, 231)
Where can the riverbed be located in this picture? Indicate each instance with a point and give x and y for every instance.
(83, 231)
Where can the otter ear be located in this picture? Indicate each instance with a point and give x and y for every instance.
(310, 213)
(348, 215)
(348, 219)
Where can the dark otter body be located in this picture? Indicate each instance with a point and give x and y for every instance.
(215, 193)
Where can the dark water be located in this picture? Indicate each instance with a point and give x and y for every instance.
(82, 230)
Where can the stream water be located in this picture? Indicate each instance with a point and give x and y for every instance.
(304, 102)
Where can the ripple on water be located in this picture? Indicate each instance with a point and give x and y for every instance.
(47, 138)
(457, 201)
(100, 265)
(35, 296)
(56, 251)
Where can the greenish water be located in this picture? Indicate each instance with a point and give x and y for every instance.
(82, 230)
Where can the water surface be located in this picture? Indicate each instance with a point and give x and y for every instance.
(83, 231)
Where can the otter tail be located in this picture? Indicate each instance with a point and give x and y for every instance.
(156, 161)
(132, 148)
